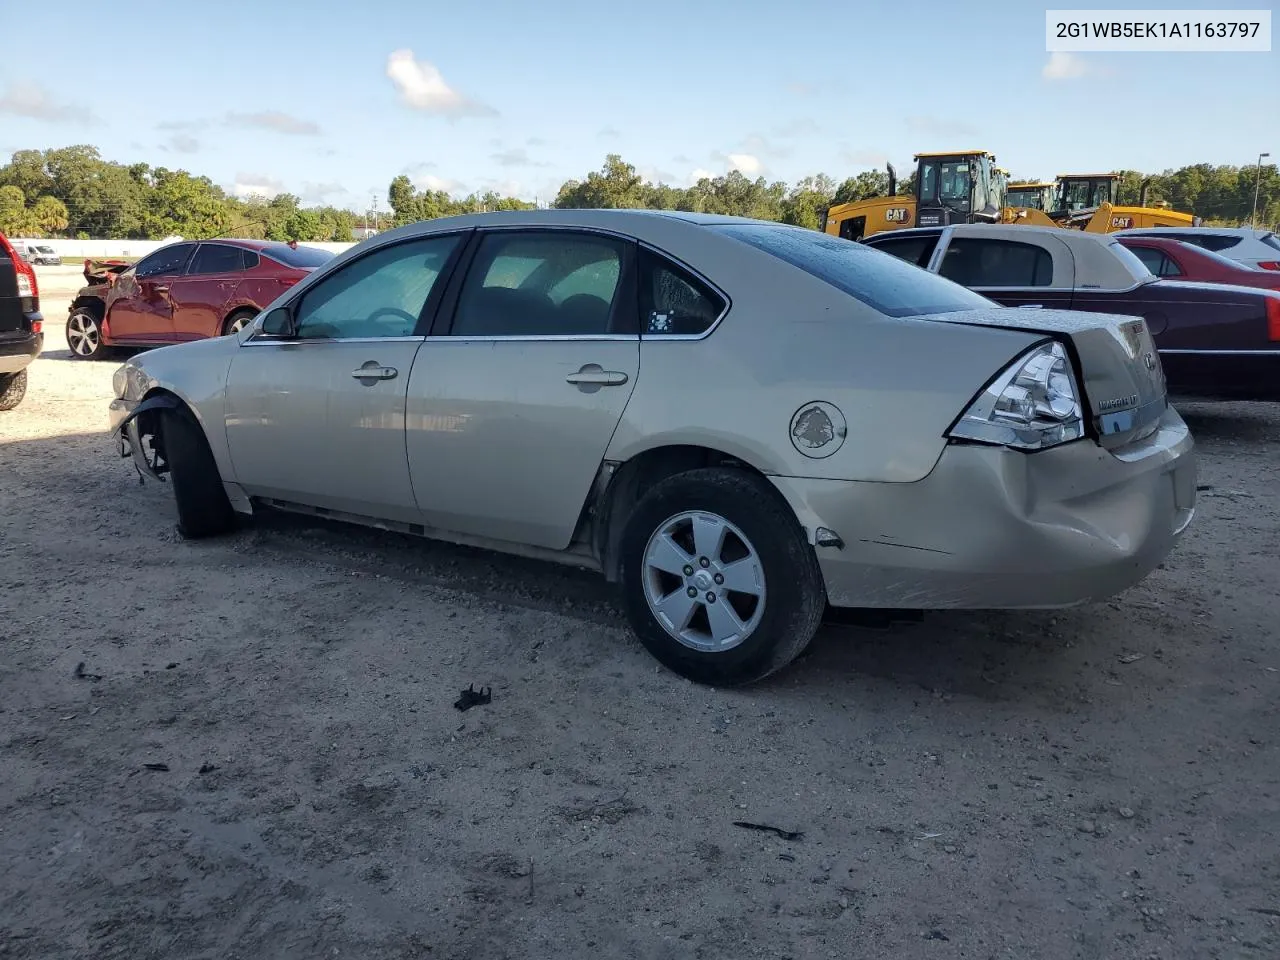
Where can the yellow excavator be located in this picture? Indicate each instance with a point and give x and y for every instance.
(1086, 201)
(965, 186)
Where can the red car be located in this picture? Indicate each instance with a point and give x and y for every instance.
(1171, 259)
(184, 291)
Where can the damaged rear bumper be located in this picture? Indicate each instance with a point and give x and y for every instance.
(992, 527)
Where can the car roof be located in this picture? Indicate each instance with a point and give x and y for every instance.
(1198, 231)
(1086, 258)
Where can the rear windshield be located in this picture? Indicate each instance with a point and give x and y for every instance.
(878, 279)
(1131, 261)
(301, 257)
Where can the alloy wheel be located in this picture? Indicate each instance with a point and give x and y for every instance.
(704, 581)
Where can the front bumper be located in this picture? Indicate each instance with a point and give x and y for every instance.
(18, 352)
(991, 527)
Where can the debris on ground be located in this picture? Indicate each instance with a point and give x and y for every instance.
(158, 767)
(81, 675)
(784, 834)
(471, 697)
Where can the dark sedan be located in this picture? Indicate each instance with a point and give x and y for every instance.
(1215, 340)
(21, 325)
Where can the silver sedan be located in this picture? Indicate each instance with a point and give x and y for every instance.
(739, 422)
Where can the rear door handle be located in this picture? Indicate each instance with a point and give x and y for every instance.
(371, 371)
(598, 377)
(161, 288)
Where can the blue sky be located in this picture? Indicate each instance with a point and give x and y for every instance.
(518, 96)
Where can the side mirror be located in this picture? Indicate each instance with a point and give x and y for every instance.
(280, 323)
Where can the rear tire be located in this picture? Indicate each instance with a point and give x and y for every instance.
(203, 507)
(13, 387)
(237, 320)
(762, 549)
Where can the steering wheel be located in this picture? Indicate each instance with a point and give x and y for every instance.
(395, 312)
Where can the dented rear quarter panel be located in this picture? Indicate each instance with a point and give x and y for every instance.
(789, 340)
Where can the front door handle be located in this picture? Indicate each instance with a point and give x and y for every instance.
(372, 371)
(592, 375)
(161, 288)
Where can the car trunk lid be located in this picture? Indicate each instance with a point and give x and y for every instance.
(1115, 358)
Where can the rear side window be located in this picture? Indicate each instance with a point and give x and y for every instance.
(1154, 260)
(673, 302)
(217, 258)
(975, 262)
(1271, 240)
(915, 249)
(880, 280)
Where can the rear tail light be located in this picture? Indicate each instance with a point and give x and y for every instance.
(1269, 265)
(28, 288)
(1032, 405)
(1273, 319)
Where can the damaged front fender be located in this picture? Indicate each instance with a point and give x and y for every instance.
(127, 429)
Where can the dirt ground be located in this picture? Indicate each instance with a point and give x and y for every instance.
(1096, 783)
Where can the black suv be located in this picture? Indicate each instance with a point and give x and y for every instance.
(21, 326)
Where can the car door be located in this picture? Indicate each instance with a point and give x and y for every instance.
(514, 399)
(318, 418)
(1011, 272)
(138, 306)
(200, 295)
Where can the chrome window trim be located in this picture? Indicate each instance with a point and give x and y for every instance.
(552, 337)
(266, 341)
(703, 278)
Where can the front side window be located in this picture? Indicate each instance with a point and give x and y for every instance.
(378, 295)
(673, 302)
(217, 258)
(880, 280)
(977, 262)
(541, 284)
(170, 259)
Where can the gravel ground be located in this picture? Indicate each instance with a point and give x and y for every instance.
(1095, 783)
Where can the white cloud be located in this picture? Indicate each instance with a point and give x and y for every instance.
(256, 185)
(515, 157)
(422, 87)
(30, 100)
(700, 174)
(609, 133)
(1062, 65)
(505, 188)
(321, 192)
(273, 120)
(655, 175)
(747, 164)
(429, 181)
(183, 143)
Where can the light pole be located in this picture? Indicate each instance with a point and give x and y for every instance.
(1257, 182)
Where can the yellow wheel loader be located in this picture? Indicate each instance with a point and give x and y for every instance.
(956, 186)
(1033, 196)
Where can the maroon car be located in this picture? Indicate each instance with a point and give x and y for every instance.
(1172, 259)
(1214, 339)
(184, 291)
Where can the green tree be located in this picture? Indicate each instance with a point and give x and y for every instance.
(869, 183)
(615, 186)
(807, 200)
(13, 211)
(49, 215)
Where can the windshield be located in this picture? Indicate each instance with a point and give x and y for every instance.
(878, 279)
(44, 248)
(1132, 262)
(944, 181)
(299, 257)
(1032, 197)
